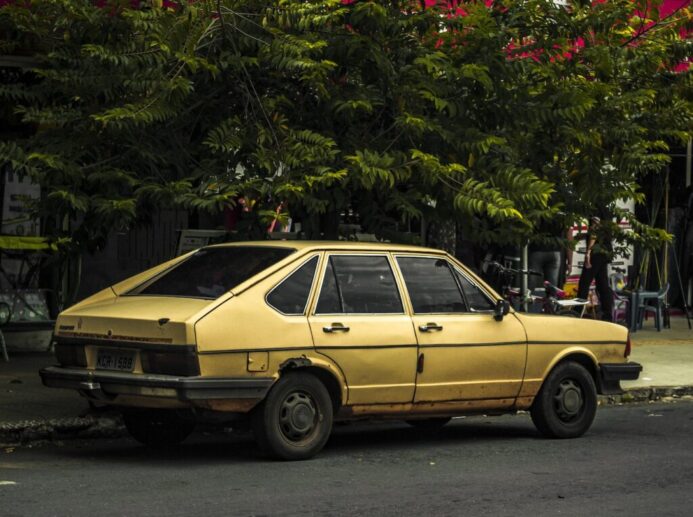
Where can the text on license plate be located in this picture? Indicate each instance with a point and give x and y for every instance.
(112, 360)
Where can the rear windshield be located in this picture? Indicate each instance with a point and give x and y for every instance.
(210, 272)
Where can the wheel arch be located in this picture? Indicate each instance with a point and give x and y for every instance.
(582, 357)
(325, 373)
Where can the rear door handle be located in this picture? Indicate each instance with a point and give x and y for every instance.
(429, 327)
(335, 327)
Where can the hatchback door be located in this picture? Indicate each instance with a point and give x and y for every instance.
(359, 322)
(464, 353)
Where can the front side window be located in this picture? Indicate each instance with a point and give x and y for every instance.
(211, 272)
(356, 284)
(431, 285)
(291, 295)
(477, 300)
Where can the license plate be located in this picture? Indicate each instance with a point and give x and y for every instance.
(115, 360)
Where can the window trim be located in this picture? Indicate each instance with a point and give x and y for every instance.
(480, 288)
(285, 278)
(393, 270)
(453, 267)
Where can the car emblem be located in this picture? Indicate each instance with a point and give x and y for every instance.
(109, 333)
(79, 324)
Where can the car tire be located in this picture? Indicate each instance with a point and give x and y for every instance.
(429, 424)
(159, 428)
(567, 402)
(295, 419)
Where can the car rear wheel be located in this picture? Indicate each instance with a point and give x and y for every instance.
(159, 427)
(567, 402)
(429, 424)
(295, 420)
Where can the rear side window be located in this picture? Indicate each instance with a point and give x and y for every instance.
(431, 285)
(211, 272)
(359, 285)
(291, 295)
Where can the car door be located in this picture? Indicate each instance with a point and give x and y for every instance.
(359, 321)
(464, 353)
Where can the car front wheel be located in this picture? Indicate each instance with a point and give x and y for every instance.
(295, 420)
(159, 427)
(567, 402)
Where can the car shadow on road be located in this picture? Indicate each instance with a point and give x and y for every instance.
(397, 435)
(210, 447)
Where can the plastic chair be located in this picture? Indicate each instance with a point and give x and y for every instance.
(621, 300)
(593, 302)
(656, 309)
(621, 307)
(617, 281)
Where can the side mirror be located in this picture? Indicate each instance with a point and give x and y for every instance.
(502, 308)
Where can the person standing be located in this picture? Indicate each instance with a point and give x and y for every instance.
(596, 266)
(545, 253)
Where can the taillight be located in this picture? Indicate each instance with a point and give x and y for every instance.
(626, 352)
(183, 362)
(69, 354)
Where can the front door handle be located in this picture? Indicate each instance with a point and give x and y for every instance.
(429, 327)
(335, 327)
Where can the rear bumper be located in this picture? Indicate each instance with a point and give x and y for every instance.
(106, 385)
(611, 375)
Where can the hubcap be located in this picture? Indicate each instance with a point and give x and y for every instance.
(568, 400)
(298, 416)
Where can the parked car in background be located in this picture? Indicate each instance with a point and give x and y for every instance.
(294, 335)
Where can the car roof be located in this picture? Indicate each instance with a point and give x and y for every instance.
(302, 245)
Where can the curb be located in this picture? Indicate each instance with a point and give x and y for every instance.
(111, 425)
(30, 431)
(648, 394)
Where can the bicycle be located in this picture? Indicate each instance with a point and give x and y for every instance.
(513, 295)
(553, 301)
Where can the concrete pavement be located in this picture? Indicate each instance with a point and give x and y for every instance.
(666, 356)
(30, 411)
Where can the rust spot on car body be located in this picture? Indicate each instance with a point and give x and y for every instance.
(295, 362)
(429, 409)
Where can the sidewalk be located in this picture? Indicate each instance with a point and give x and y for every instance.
(666, 356)
(29, 411)
(667, 364)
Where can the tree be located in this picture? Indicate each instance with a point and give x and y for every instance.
(497, 115)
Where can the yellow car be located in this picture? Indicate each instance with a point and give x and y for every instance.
(297, 334)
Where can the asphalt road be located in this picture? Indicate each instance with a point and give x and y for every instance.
(636, 460)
